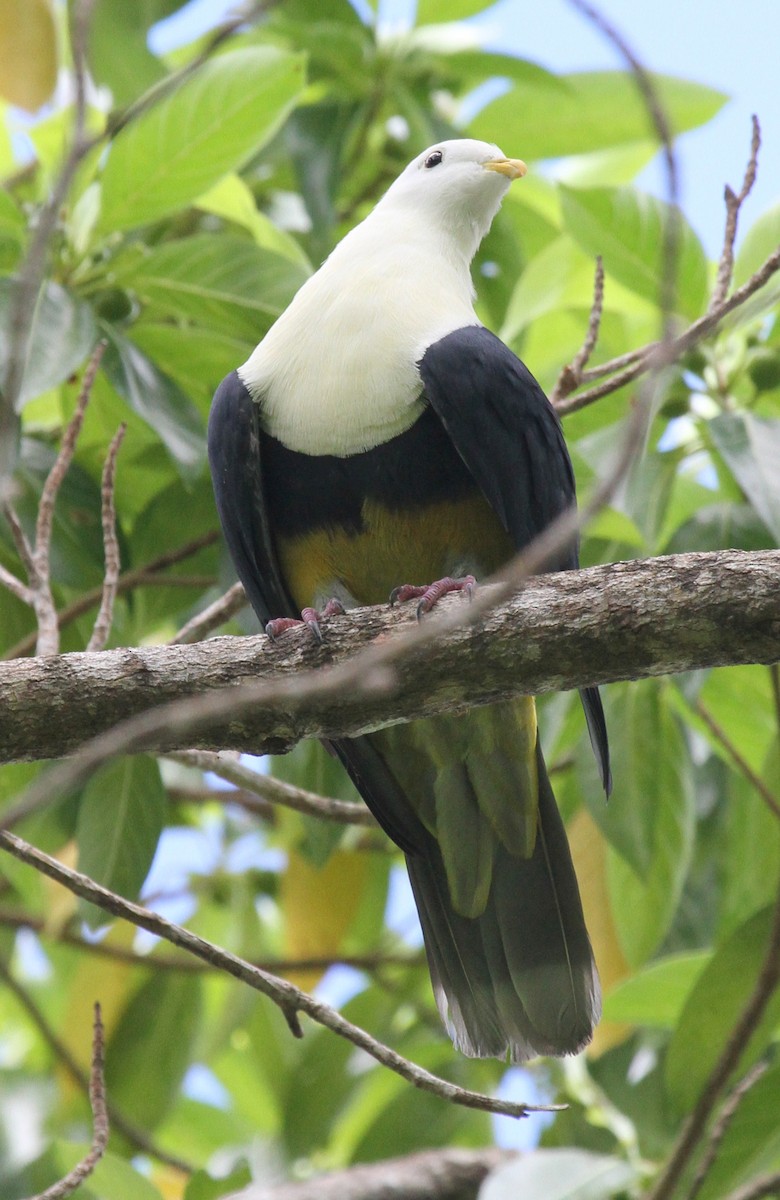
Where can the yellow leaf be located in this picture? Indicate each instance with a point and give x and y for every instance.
(28, 52)
(589, 852)
(319, 905)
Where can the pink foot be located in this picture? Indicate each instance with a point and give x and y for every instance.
(432, 593)
(309, 616)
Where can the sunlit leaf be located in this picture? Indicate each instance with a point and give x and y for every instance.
(628, 229)
(208, 126)
(761, 240)
(597, 110)
(655, 995)
(559, 1175)
(28, 52)
(751, 447)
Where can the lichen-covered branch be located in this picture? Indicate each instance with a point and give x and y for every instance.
(623, 621)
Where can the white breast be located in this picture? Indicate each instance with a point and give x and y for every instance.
(337, 372)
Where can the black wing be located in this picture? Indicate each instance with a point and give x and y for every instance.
(237, 474)
(509, 436)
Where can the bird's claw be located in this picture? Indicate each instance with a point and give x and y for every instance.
(310, 617)
(430, 594)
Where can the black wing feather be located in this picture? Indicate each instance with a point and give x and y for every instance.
(509, 436)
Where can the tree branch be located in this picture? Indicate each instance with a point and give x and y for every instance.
(626, 620)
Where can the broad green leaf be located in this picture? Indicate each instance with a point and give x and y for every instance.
(714, 1005)
(655, 995)
(231, 198)
(63, 334)
(112, 1178)
(751, 1146)
(740, 700)
(197, 363)
(559, 1175)
(761, 240)
(626, 228)
(121, 817)
(560, 276)
(432, 12)
(151, 1047)
(224, 283)
(751, 447)
(203, 1186)
(614, 167)
(208, 126)
(158, 400)
(28, 52)
(598, 109)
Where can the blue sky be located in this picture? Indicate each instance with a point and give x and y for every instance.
(732, 47)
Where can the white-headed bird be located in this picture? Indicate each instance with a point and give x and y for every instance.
(380, 435)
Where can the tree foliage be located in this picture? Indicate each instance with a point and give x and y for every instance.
(204, 200)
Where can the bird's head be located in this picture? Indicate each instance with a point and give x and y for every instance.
(455, 185)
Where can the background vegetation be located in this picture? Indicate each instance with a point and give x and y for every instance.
(198, 203)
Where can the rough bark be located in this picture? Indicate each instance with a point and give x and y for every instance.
(623, 621)
(430, 1175)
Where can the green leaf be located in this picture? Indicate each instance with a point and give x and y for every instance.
(119, 56)
(752, 836)
(12, 232)
(761, 240)
(206, 127)
(149, 1051)
(713, 1007)
(203, 1186)
(559, 1175)
(597, 110)
(63, 334)
(158, 400)
(121, 816)
(751, 447)
(433, 12)
(197, 363)
(28, 61)
(224, 283)
(655, 995)
(626, 228)
(232, 199)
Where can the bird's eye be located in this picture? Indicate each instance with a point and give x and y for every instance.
(434, 159)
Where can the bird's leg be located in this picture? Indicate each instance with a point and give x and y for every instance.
(432, 593)
(309, 616)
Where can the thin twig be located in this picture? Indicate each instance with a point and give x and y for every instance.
(229, 767)
(745, 1026)
(571, 375)
(189, 966)
(15, 586)
(105, 618)
(100, 1126)
(127, 581)
(734, 203)
(722, 1126)
(61, 1052)
(695, 333)
(212, 617)
(289, 999)
(742, 765)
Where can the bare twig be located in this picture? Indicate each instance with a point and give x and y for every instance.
(149, 573)
(694, 334)
(571, 375)
(734, 203)
(289, 999)
(97, 1098)
(105, 617)
(741, 764)
(695, 1125)
(723, 1124)
(212, 617)
(15, 586)
(228, 767)
(61, 1052)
